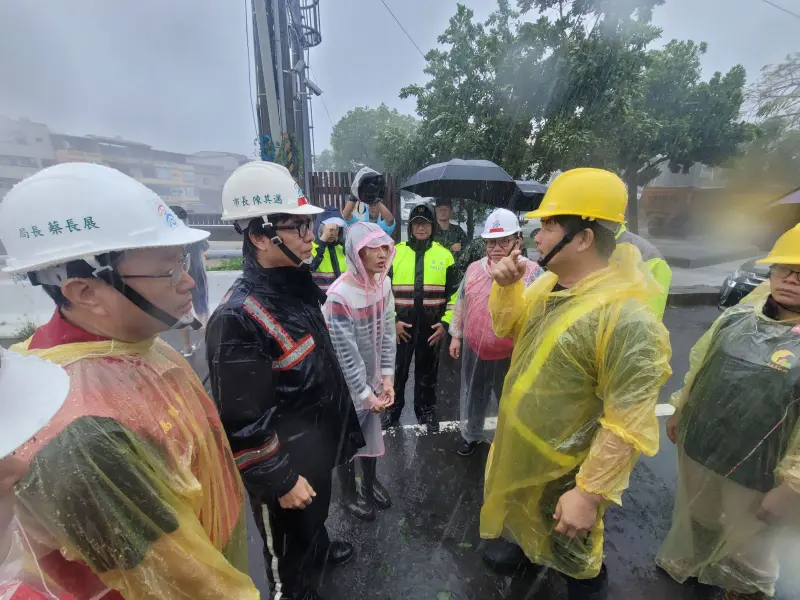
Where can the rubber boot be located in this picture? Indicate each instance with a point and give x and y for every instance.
(505, 557)
(589, 589)
(373, 490)
(351, 499)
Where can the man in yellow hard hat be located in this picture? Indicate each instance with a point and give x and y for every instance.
(738, 436)
(578, 403)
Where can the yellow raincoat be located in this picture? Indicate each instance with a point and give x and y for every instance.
(131, 490)
(738, 438)
(578, 404)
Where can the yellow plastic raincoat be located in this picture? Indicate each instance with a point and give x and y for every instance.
(578, 404)
(131, 490)
(738, 438)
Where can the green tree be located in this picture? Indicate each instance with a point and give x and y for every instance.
(355, 138)
(324, 161)
(777, 92)
(576, 89)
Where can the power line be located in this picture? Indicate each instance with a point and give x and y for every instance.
(421, 53)
(786, 10)
(249, 66)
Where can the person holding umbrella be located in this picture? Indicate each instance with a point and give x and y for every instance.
(578, 405)
(447, 234)
(424, 282)
(484, 357)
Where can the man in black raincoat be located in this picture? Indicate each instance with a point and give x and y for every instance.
(282, 397)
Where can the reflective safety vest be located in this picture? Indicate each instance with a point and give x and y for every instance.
(324, 271)
(657, 265)
(430, 286)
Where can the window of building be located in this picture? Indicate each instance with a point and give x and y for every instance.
(165, 173)
(148, 172)
(188, 176)
(18, 161)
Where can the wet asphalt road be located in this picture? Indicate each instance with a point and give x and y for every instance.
(427, 546)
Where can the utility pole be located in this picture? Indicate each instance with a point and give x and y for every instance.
(283, 31)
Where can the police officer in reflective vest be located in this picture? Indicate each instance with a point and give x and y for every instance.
(328, 262)
(425, 283)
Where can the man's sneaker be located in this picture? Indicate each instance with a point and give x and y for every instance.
(188, 352)
(338, 554)
(466, 448)
(431, 422)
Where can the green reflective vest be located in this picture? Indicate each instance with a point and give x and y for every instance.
(432, 287)
(657, 265)
(322, 267)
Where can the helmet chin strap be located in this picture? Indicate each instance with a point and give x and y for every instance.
(269, 230)
(568, 237)
(100, 267)
(115, 280)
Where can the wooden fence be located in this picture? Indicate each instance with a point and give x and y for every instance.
(331, 188)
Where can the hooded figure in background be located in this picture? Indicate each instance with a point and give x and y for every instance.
(328, 261)
(360, 316)
(369, 188)
(737, 429)
(424, 282)
(485, 357)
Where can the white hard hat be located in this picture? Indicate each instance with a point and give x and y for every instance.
(32, 390)
(258, 189)
(81, 210)
(500, 223)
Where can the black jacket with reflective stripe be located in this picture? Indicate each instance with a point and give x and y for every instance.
(275, 378)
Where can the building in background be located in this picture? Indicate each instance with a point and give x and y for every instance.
(193, 181)
(25, 147)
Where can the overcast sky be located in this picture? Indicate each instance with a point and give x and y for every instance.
(174, 74)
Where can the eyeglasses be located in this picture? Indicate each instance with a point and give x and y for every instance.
(175, 274)
(783, 272)
(302, 228)
(502, 242)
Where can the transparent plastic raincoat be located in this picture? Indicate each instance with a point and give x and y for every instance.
(131, 490)
(360, 317)
(738, 438)
(578, 404)
(485, 358)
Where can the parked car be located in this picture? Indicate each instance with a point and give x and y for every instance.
(743, 281)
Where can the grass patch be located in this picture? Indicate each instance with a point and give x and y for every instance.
(229, 264)
(26, 331)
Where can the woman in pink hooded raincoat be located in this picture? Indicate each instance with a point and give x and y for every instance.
(360, 317)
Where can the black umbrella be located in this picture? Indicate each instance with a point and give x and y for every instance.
(529, 195)
(480, 180)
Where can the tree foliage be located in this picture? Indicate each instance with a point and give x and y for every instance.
(577, 86)
(355, 137)
(777, 92)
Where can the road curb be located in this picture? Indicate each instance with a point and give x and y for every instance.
(701, 295)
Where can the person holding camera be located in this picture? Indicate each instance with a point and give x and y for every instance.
(328, 261)
(369, 187)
